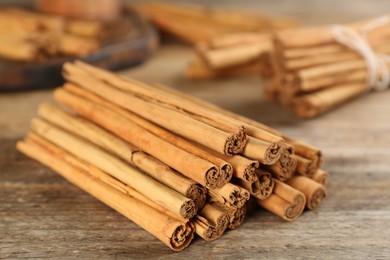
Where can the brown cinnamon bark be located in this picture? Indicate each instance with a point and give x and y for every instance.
(151, 188)
(321, 177)
(236, 214)
(314, 192)
(205, 134)
(311, 105)
(230, 194)
(172, 232)
(305, 167)
(286, 202)
(262, 187)
(197, 69)
(211, 222)
(186, 163)
(225, 168)
(235, 55)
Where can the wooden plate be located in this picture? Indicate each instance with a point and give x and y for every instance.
(131, 41)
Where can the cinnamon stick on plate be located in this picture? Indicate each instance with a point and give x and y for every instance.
(172, 232)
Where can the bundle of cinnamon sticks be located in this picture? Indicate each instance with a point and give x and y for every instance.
(315, 71)
(173, 164)
(194, 23)
(28, 36)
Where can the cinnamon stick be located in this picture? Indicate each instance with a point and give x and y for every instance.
(211, 222)
(97, 173)
(125, 151)
(209, 136)
(230, 194)
(197, 69)
(314, 192)
(188, 164)
(170, 231)
(236, 214)
(154, 190)
(285, 201)
(321, 177)
(225, 169)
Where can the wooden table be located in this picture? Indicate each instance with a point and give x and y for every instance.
(42, 215)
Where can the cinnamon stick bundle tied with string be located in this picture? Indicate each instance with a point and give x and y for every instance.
(319, 68)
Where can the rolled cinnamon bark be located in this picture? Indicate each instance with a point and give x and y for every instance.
(307, 151)
(188, 164)
(283, 169)
(202, 113)
(236, 214)
(225, 169)
(92, 170)
(209, 136)
(234, 55)
(285, 201)
(126, 151)
(305, 167)
(321, 177)
(170, 231)
(265, 152)
(314, 192)
(230, 194)
(197, 69)
(262, 187)
(151, 188)
(211, 222)
(266, 184)
(238, 217)
(267, 143)
(311, 105)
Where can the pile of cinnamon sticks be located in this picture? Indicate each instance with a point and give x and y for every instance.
(194, 23)
(314, 72)
(173, 164)
(28, 36)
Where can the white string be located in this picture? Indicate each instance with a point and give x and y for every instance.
(378, 71)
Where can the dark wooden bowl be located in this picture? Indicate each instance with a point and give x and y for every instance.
(131, 41)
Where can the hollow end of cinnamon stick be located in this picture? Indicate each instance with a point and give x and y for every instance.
(238, 217)
(321, 177)
(314, 192)
(235, 143)
(197, 193)
(266, 185)
(265, 152)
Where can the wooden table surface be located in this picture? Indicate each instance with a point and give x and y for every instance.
(42, 215)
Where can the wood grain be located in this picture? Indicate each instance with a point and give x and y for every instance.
(42, 215)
